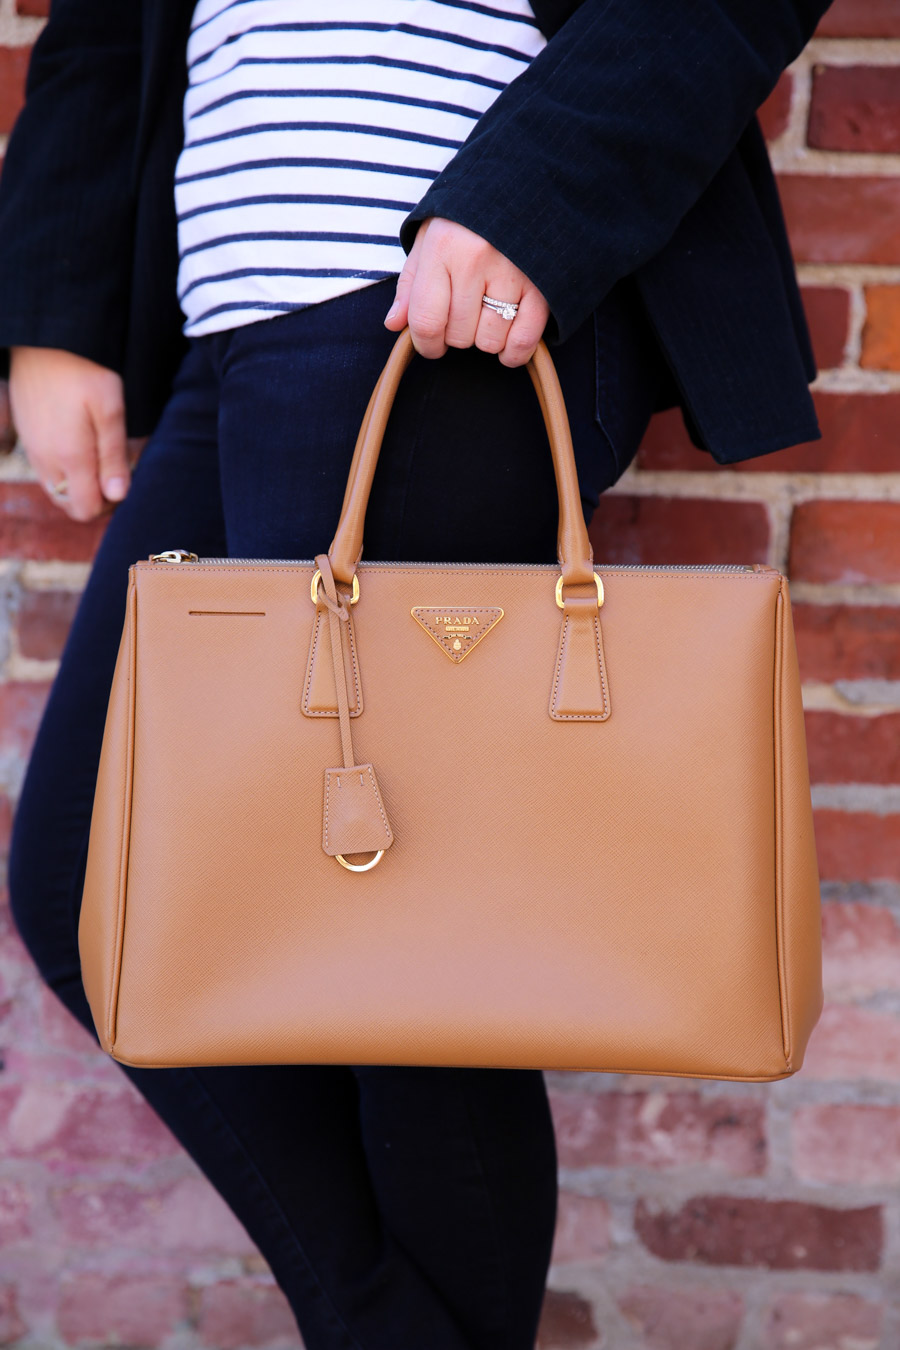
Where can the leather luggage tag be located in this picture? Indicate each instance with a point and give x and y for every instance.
(457, 631)
(354, 819)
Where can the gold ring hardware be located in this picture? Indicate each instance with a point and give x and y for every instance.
(361, 867)
(314, 590)
(559, 590)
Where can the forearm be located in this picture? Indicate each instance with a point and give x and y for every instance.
(584, 166)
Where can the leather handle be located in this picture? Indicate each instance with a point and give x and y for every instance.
(573, 545)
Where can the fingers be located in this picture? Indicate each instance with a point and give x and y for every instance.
(440, 291)
(493, 330)
(397, 316)
(526, 329)
(113, 468)
(428, 299)
(74, 464)
(69, 413)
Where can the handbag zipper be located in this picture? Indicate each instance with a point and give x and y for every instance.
(181, 555)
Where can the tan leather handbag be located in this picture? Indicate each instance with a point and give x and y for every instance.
(454, 814)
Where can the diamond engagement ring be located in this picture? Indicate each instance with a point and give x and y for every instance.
(59, 490)
(507, 309)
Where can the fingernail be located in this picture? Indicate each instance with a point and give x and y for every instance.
(115, 489)
(392, 311)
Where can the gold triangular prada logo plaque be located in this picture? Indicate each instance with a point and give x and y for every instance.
(457, 631)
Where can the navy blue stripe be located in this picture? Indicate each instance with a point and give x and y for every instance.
(472, 5)
(392, 63)
(303, 162)
(412, 29)
(391, 133)
(278, 307)
(285, 198)
(257, 236)
(239, 272)
(371, 94)
(477, 8)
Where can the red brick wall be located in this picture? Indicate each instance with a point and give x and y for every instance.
(693, 1216)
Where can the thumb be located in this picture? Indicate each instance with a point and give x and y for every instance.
(112, 452)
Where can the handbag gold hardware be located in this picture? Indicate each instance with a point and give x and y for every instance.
(590, 847)
(174, 555)
(559, 592)
(314, 588)
(360, 867)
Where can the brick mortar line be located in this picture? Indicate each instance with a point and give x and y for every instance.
(671, 1187)
(54, 576)
(779, 512)
(835, 51)
(849, 379)
(848, 274)
(882, 894)
(793, 138)
(765, 488)
(633, 1264)
(831, 593)
(805, 161)
(15, 468)
(879, 799)
(820, 696)
(883, 1000)
(817, 1091)
(26, 669)
(801, 1090)
(853, 344)
(17, 30)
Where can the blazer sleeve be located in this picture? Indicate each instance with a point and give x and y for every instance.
(583, 167)
(66, 191)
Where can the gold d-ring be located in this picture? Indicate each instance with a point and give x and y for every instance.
(314, 588)
(559, 594)
(360, 867)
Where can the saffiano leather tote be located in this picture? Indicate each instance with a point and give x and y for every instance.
(521, 816)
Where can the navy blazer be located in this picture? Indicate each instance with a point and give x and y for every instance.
(626, 154)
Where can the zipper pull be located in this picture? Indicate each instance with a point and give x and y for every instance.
(174, 555)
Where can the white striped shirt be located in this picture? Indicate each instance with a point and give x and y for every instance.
(308, 139)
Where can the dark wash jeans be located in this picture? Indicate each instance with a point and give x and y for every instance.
(399, 1208)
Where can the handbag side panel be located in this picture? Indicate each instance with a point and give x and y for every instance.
(797, 880)
(101, 922)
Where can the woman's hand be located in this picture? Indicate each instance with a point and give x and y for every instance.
(70, 416)
(439, 292)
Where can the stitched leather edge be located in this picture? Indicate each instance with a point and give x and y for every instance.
(112, 1006)
(778, 714)
(554, 699)
(372, 784)
(552, 569)
(354, 666)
